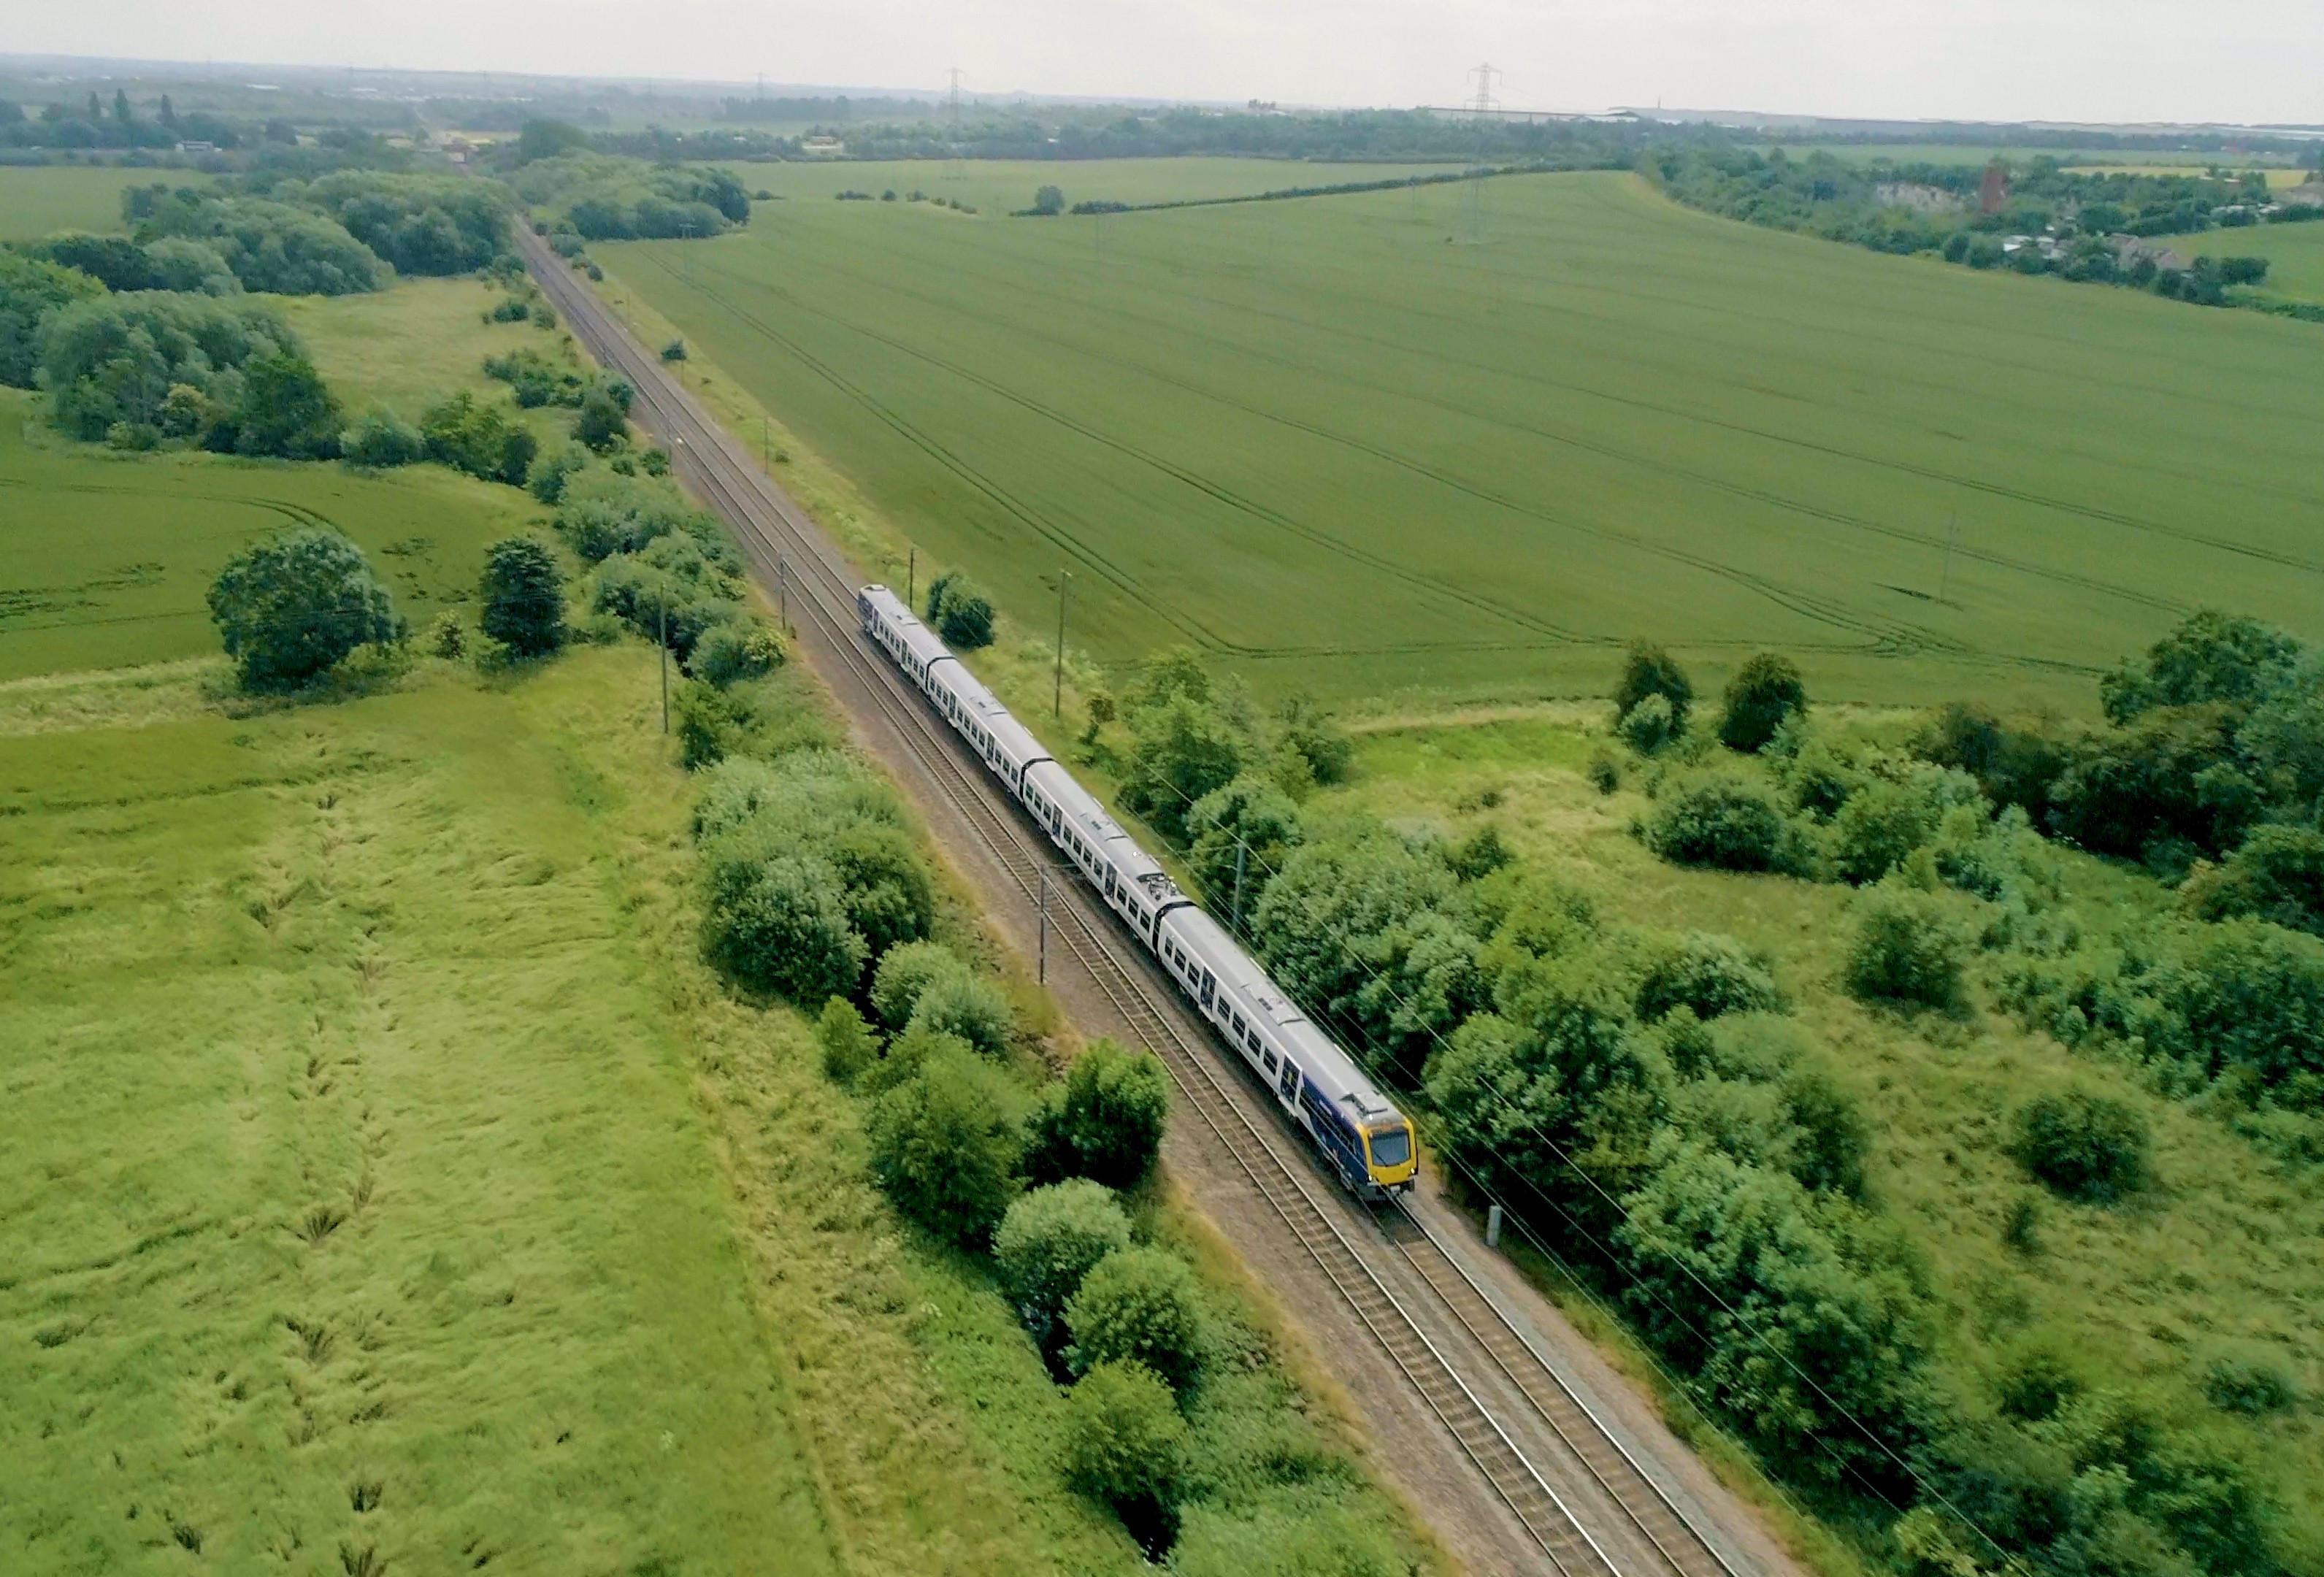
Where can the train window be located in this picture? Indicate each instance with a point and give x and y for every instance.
(1270, 1062)
(1250, 1038)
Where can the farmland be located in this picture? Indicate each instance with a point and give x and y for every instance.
(2294, 252)
(1338, 445)
(109, 557)
(38, 201)
(995, 186)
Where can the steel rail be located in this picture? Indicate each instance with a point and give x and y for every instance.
(704, 454)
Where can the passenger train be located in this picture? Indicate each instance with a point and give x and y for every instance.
(1319, 1086)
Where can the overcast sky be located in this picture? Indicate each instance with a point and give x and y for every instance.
(2060, 59)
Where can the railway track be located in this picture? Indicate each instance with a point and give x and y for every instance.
(789, 551)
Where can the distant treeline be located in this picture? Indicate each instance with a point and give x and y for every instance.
(1356, 134)
(1339, 189)
(2085, 227)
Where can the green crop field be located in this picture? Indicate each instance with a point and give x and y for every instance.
(2294, 254)
(109, 557)
(40, 200)
(1339, 446)
(995, 186)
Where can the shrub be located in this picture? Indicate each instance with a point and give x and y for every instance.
(479, 438)
(1710, 976)
(1049, 1241)
(1104, 1121)
(675, 351)
(1139, 1305)
(728, 654)
(945, 1146)
(381, 439)
(2278, 876)
(447, 638)
(907, 971)
(2252, 993)
(2090, 1148)
(1876, 828)
(967, 1006)
(1124, 1439)
(1726, 822)
(888, 899)
(297, 603)
(1649, 670)
(848, 1045)
(1905, 949)
(778, 926)
(1648, 726)
(550, 472)
(2035, 1380)
(1604, 772)
(2251, 1381)
(1829, 1136)
(1764, 694)
(962, 614)
(523, 595)
(602, 423)
(191, 267)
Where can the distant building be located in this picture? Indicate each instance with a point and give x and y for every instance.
(198, 147)
(822, 147)
(1920, 198)
(1993, 191)
(2129, 249)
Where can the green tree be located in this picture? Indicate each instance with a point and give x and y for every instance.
(1124, 1438)
(1905, 948)
(778, 926)
(378, 439)
(1183, 751)
(294, 605)
(1048, 200)
(524, 592)
(600, 424)
(1103, 1120)
(1139, 1305)
(1649, 670)
(904, 974)
(1049, 1241)
(1766, 692)
(848, 1044)
(967, 1006)
(285, 410)
(962, 614)
(542, 138)
(945, 1145)
(30, 290)
(2091, 1147)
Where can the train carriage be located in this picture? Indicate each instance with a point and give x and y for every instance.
(1360, 1130)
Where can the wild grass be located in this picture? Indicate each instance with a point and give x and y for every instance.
(1336, 448)
(359, 1198)
(408, 346)
(38, 201)
(2210, 1265)
(107, 557)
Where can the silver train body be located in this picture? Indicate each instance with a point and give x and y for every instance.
(1318, 1085)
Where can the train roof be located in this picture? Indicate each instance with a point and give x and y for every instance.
(1128, 856)
(1334, 1071)
(1016, 740)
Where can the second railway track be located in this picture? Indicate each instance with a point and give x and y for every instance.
(1663, 1540)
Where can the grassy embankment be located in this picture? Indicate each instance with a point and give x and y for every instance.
(1333, 450)
(993, 187)
(2294, 254)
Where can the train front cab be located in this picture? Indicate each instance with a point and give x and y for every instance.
(1390, 1158)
